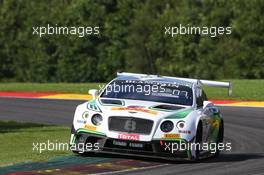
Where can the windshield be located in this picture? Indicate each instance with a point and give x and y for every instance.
(149, 91)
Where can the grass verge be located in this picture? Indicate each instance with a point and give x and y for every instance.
(18, 138)
(242, 89)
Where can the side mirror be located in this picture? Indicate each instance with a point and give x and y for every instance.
(93, 92)
(207, 104)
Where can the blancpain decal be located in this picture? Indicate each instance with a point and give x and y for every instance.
(81, 121)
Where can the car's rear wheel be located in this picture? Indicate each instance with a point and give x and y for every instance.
(220, 138)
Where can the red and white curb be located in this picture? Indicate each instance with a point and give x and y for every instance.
(72, 96)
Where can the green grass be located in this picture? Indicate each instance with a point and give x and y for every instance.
(17, 141)
(242, 89)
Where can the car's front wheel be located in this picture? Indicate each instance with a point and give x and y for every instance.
(198, 140)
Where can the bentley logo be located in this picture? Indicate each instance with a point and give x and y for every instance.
(130, 125)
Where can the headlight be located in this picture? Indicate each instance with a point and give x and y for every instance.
(166, 126)
(85, 115)
(180, 124)
(97, 119)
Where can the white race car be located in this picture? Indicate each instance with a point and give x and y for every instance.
(150, 116)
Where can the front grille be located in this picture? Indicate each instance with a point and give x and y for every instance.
(130, 125)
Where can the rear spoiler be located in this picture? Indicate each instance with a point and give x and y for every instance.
(204, 82)
(211, 83)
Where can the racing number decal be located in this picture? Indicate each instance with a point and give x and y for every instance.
(130, 125)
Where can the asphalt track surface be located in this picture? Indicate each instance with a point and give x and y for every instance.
(243, 128)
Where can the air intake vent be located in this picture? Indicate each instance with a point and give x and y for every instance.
(130, 125)
(168, 107)
(110, 101)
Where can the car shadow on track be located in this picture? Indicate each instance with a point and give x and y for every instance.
(136, 158)
(226, 157)
(234, 157)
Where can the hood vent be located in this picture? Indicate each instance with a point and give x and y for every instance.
(167, 107)
(111, 102)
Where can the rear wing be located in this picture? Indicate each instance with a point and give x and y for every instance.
(210, 83)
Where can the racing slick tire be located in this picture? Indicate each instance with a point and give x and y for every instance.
(198, 141)
(220, 139)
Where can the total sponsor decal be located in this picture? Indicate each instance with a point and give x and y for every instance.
(128, 136)
(135, 108)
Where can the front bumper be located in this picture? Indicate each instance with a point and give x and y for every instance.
(152, 149)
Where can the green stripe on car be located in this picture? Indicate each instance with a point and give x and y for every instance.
(180, 114)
